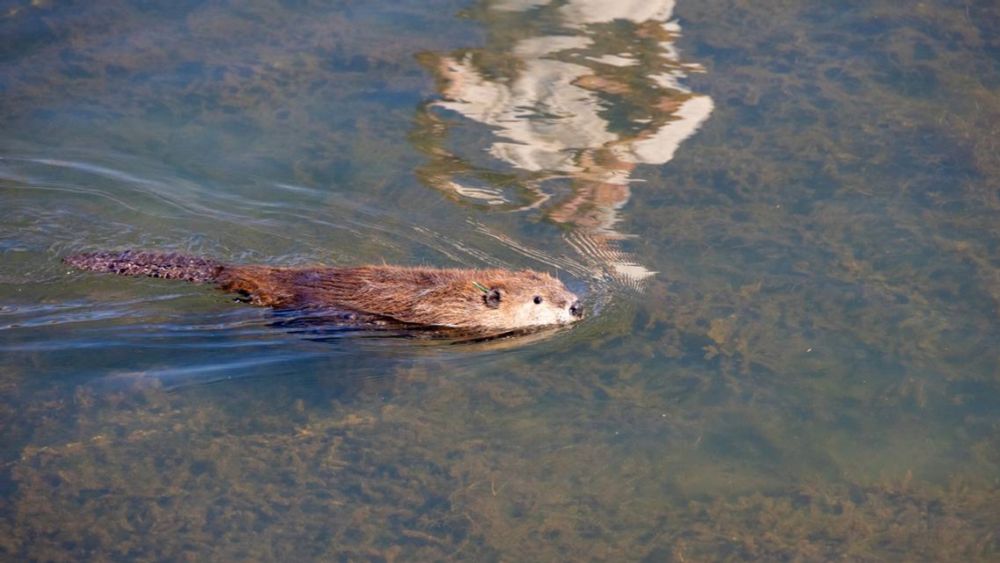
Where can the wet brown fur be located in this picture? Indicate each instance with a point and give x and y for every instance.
(421, 296)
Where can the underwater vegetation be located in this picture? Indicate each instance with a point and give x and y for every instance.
(153, 474)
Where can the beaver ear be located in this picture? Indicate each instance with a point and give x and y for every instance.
(492, 298)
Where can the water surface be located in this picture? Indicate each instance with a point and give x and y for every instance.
(784, 218)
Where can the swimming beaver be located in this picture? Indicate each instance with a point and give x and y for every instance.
(501, 300)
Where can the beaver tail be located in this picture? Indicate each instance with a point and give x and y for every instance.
(169, 266)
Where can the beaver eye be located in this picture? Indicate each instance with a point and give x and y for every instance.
(537, 300)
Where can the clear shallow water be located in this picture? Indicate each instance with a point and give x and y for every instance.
(811, 371)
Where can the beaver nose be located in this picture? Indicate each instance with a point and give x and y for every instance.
(576, 309)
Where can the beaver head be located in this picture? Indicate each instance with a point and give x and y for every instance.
(524, 299)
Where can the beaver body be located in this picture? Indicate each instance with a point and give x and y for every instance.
(500, 300)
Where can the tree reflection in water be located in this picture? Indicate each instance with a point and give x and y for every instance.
(577, 94)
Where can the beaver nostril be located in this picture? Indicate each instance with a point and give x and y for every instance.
(576, 309)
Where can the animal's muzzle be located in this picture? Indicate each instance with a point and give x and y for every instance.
(576, 309)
